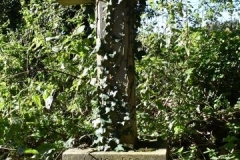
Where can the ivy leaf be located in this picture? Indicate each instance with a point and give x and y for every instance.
(52, 38)
(48, 102)
(113, 104)
(117, 40)
(105, 96)
(105, 57)
(180, 150)
(189, 71)
(113, 54)
(85, 72)
(1, 103)
(56, 49)
(122, 123)
(126, 118)
(96, 122)
(187, 51)
(31, 151)
(119, 1)
(107, 109)
(121, 34)
(93, 81)
(69, 143)
(99, 139)
(79, 30)
(119, 148)
(106, 147)
(100, 131)
(113, 93)
(36, 99)
(178, 129)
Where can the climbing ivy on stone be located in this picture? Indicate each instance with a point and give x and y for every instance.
(116, 88)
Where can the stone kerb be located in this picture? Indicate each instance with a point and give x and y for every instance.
(88, 154)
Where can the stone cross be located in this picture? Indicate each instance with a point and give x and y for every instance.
(118, 71)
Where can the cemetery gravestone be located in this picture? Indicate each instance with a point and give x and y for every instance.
(115, 62)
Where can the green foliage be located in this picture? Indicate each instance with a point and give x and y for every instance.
(189, 97)
(10, 14)
(114, 46)
(187, 84)
(44, 99)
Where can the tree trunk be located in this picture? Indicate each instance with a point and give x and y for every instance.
(115, 61)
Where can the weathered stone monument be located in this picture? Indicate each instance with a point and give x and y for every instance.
(115, 22)
(76, 154)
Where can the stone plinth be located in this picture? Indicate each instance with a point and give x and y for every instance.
(88, 154)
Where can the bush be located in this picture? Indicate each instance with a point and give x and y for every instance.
(43, 99)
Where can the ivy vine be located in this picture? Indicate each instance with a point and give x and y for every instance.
(113, 113)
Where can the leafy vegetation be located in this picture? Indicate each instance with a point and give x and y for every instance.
(187, 83)
(44, 99)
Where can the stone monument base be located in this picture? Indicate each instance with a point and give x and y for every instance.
(89, 154)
